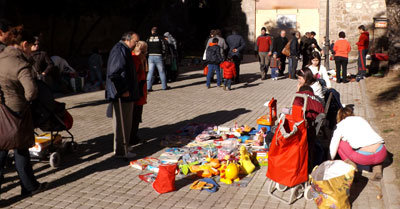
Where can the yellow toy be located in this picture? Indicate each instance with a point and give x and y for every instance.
(229, 172)
(205, 171)
(246, 166)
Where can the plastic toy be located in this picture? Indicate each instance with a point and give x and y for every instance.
(269, 119)
(204, 171)
(229, 172)
(246, 166)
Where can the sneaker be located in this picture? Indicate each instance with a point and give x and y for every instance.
(168, 87)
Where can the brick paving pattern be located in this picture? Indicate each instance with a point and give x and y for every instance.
(92, 178)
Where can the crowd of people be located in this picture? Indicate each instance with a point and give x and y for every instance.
(131, 72)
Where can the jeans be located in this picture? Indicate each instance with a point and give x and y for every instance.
(156, 61)
(264, 63)
(24, 169)
(292, 67)
(227, 83)
(274, 71)
(361, 61)
(341, 68)
(211, 69)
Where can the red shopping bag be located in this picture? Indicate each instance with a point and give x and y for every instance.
(288, 154)
(165, 181)
(205, 71)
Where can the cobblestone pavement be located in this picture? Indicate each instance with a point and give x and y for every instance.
(92, 178)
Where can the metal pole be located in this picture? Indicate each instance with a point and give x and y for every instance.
(327, 44)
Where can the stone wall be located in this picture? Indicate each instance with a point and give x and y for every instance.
(347, 15)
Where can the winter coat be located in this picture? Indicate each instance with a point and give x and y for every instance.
(221, 43)
(275, 63)
(156, 45)
(235, 41)
(42, 62)
(278, 44)
(141, 69)
(16, 79)
(294, 47)
(213, 54)
(363, 41)
(264, 43)
(121, 74)
(229, 70)
(342, 48)
(314, 106)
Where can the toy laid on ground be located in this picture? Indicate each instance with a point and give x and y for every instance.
(330, 184)
(207, 184)
(246, 166)
(229, 172)
(289, 142)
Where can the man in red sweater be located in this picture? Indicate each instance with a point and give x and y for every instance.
(263, 49)
(363, 43)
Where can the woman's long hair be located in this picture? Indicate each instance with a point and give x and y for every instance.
(308, 76)
(318, 56)
(344, 113)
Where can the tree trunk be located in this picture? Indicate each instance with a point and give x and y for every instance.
(393, 14)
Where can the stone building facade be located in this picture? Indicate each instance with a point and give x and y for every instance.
(310, 15)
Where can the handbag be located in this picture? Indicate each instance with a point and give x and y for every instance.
(16, 130)
(205, 70)
(286, 49)
(165, 180)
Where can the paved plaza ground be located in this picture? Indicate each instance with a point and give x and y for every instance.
(93, 178)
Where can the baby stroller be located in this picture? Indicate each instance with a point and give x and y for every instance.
(288, 155)
(51, 118)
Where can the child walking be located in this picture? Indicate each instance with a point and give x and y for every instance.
(229, 72)
(275, 65)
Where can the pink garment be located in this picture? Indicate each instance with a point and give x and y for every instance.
(346, 152)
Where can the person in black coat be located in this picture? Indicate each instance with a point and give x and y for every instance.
(294, 55)
(236, 45)
(277, 46)
(121, 84)
(43, 66)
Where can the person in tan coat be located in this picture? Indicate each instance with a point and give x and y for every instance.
(18, 88)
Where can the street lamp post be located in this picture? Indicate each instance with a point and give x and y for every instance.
(327, 37)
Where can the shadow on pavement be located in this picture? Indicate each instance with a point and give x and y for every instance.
(91, 103)
(87, 151)
(357, 187)
(155, 135)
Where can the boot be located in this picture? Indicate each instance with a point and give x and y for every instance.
(376, 172)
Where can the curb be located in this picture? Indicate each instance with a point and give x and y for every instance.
(390, 190)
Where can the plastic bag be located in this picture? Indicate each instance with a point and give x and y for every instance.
(330, 184)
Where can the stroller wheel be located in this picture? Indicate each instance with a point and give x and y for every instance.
(308, 193)
(299, 191)
(73, 147)
(281, 187)
(271, 186)
(70, 147)
(55, 159)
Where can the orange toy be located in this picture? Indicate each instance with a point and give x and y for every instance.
(271, 116)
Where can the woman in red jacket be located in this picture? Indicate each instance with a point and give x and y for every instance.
(140, 61)
(229, 72)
